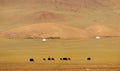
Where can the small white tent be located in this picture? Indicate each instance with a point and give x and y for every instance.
(44, 39)
(98, 37)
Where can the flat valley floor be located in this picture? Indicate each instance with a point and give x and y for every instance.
(16, 53)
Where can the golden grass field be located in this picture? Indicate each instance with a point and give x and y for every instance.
(104, 53)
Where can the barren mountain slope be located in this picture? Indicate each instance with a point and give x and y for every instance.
(102, 30)
(45, 31)
(20, 12)
(58, 31)
(59, 3)
(74, 13)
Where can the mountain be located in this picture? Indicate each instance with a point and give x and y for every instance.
(77, 14)
(25, 11)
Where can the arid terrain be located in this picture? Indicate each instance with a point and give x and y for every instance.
(40, 29)
(58, 31)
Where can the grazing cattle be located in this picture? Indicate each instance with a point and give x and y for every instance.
(51, 58)
(88, 58)
(31, 60)
(65, 58)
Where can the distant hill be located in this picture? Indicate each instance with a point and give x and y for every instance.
(58, 31)
(102, 30)
(46, 31)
